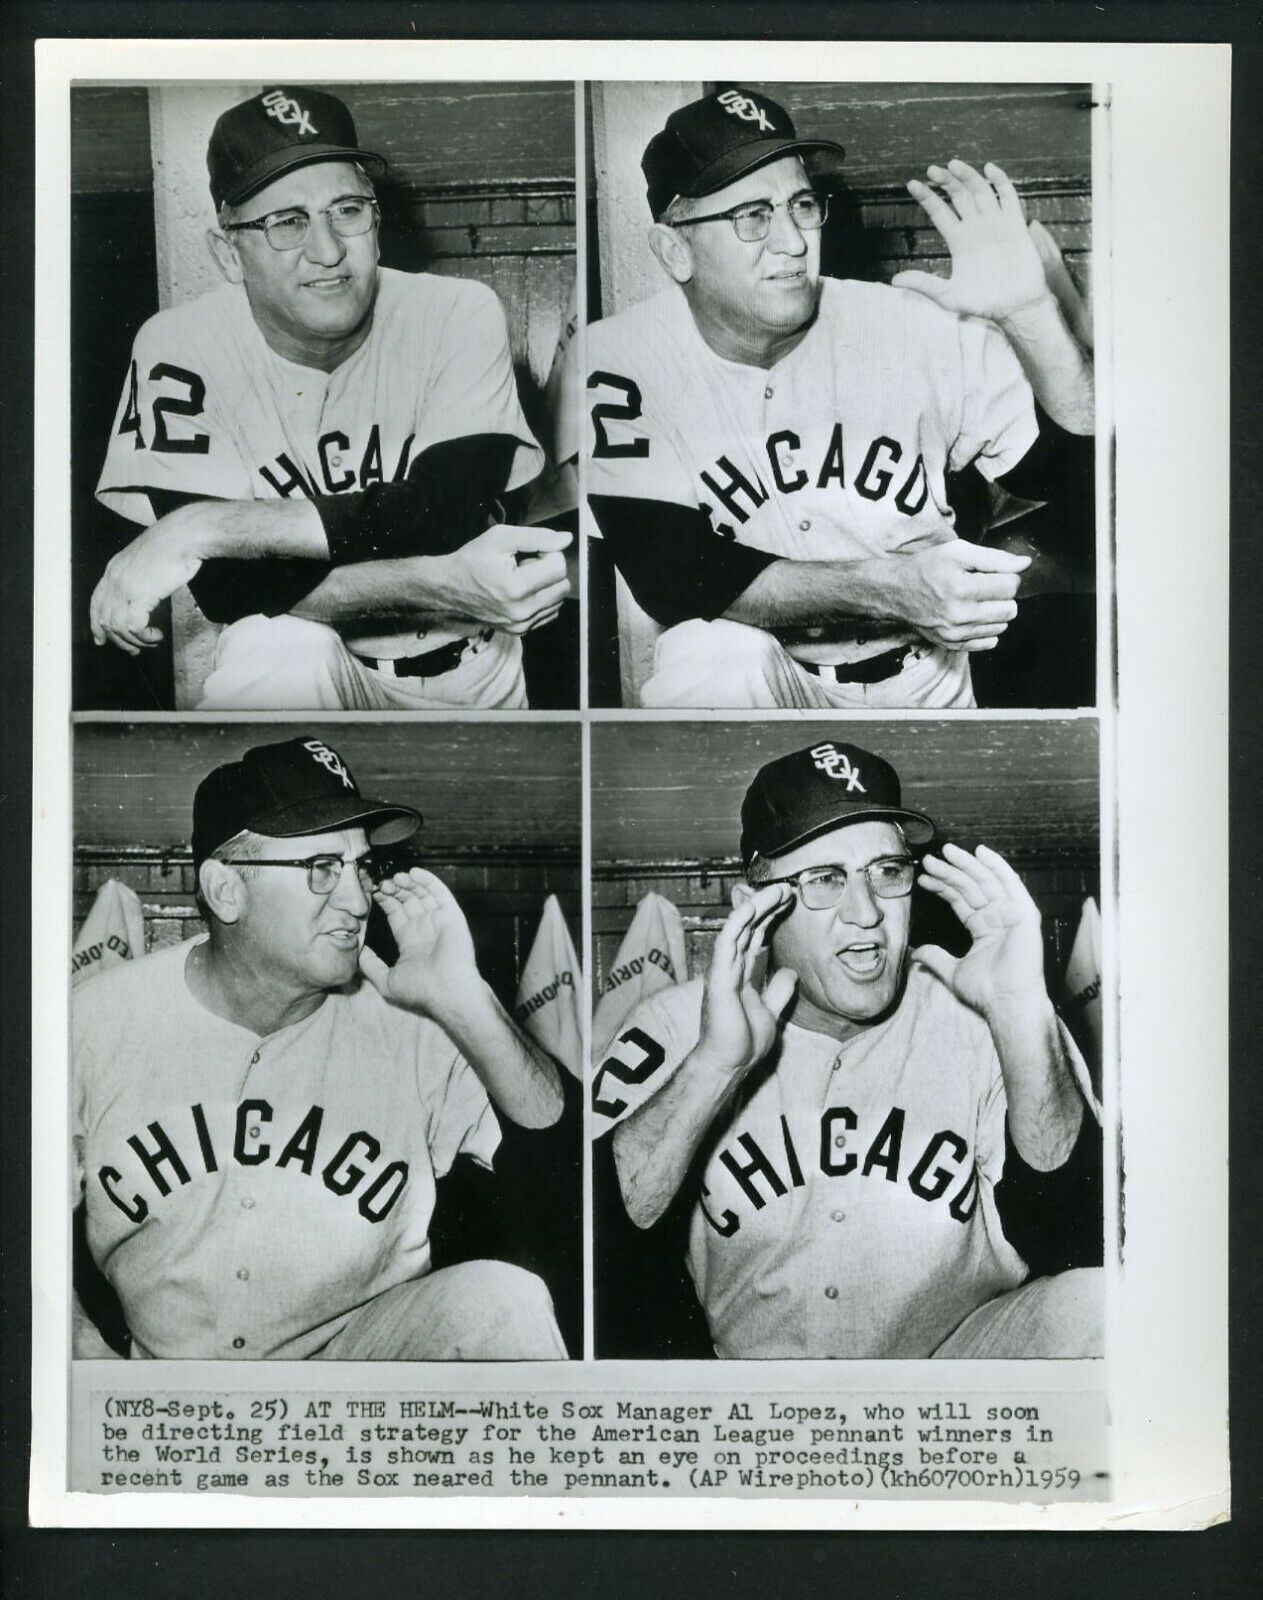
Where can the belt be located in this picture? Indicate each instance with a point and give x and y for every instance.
(872, 670)
(431, 663)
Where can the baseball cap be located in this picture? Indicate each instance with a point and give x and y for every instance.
(285, 790)
(712, 141)
(275, 132)
(812, 791)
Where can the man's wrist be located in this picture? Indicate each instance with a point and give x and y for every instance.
(1034, 317)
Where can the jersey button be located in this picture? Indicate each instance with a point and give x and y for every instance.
(254, 1059)
(830, 1292)
(805, 525)
(839, 1142)
(243, 1273)
(238, 1343)
(247, 1204)
(838, 1216)
(768, 392)
(254, 1133)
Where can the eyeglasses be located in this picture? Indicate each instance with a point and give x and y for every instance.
(324, 873)
(822, 888)
(753, 221)
(287, 230)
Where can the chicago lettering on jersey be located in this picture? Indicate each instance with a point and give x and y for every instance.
(350, 1168)
(762, 1179)
(336, 476)
(887, 470)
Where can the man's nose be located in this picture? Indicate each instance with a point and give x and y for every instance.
(350, 894)
(785, 237)
(859, 906)
(322, 246)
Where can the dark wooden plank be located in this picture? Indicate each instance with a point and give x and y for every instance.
(891, 132)
(671, 792)
(444, 133)
(109, 141)
(496, 787)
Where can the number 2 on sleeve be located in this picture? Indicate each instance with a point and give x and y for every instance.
(652, 1055)
(626, 410)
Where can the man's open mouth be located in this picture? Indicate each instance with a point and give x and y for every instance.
(863, 959)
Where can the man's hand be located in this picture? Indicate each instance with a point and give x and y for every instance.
(739, 1025)
(996, 267)
(143, 574)
(1004, 969)
(436, 969)
(958, 595)
(508, 578)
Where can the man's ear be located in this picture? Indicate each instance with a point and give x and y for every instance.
(224, 252)
(741, 893)
(222, 890)
(672, 250)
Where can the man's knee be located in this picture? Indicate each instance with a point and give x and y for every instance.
(505, 1311)
(718, 645)
(280, 642)
(513, 1290)
(716, 664)
(278, 662)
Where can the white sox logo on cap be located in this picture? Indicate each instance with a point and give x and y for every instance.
(330, 759)
(740, 105)
(835, 764)
(288, 112)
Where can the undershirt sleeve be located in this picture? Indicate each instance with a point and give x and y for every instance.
(1054, 1220)
(1059, 467)
(674, 563)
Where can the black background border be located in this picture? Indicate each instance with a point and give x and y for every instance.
(1218, 1563)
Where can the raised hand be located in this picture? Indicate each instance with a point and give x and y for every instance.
(1004, 967)
(143, 574)
(436, 968)
(739, 1025)
(996, 267)
(509, 578)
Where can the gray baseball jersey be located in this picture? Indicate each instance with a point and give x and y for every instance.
(210, 409)
(246, 1195)
(838, 452)
(848, 1204)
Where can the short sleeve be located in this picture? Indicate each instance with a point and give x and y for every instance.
(644, 1056)
(630, 452)
(474, 390)
(169, 432)
(461, 1121)
(998, 423)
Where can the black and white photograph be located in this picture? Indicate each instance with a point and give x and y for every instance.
(837, 1113)
(840, 396)
(617, 728)
(325, 1042)
(318, 339)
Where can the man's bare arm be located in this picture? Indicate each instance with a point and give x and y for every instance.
(655, 1146)
(956, 594)
(998, 273)
(510, 578)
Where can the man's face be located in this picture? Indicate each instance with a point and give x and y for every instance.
(305, 943)
(317, 295)
(771, 285)
(850, 960)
